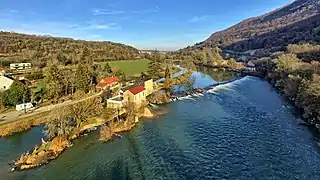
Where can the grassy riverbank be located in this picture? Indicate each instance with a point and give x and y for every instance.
(11, 128)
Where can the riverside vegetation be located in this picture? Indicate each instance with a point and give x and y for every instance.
(296, 74)
(66, 124)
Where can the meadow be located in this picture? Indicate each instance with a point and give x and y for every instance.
(131, 67)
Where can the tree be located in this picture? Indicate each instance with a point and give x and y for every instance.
(82, 78)
(287, 62)
(104, 70)
(2, 106)
(202, 57)
(36, 75)
(154, 70)
(61, 123)
(62, 59)
(53, 81)
(38, 93)
(189, 85)
(309, 99)
(16, 94)
(168, 77)
(83, 110)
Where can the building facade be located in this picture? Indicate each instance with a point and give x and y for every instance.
(110, 82)
(148, 85)
(5, 83)
(135, 95)
(20, 66)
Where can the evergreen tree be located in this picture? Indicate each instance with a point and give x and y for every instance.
(154, 70)
(16, 94)
(168, 77)
(82, 78)
(53, 81)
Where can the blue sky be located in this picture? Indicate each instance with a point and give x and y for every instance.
(145, 24)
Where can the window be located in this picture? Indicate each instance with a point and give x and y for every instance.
(4, 87)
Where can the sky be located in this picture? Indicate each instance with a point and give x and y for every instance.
(144, 24)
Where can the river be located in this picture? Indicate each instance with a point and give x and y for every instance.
(241, 130)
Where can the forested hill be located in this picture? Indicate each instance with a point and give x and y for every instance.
(298, 22)
(40, 49)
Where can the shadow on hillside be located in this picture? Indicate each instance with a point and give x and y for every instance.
(299, 32)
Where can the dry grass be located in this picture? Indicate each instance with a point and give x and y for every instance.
(23, 124)
(106, 134)
(43, 154)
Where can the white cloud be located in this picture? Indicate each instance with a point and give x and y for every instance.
(196, 19)
(147, 21)
(98, 12)
(12, 11)
(156, 9)
(103, 26)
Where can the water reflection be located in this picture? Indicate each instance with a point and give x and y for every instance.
(218, 75)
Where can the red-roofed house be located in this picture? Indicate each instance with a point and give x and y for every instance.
(110, 82)
(136, 94)
(2, 70)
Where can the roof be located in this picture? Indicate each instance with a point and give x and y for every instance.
(137, 89)
(107, 81)
(250, 64)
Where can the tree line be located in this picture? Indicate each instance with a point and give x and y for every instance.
(297, 77)
(210, 56)
(54, 83)
(41, 49)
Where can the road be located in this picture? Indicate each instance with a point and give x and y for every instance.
(17, 115)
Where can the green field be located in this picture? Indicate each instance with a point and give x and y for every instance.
(131, 67)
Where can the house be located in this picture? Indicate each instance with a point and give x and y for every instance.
(2, 71)
(110, 82)
(251, 66)
(148, 85)
(20, 66)
(136, 94)
(5, 83)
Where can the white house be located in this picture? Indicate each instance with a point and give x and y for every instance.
(5, 83)
(25, 106)
(20, 66)
(251, 66)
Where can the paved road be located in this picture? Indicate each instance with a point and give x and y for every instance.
(17, 115)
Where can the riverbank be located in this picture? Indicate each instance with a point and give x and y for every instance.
(50, 150)
(237, 68)
(23, 125)
(109, 128)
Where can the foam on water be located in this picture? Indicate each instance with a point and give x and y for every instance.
(228, 86)
(189, 97)
(154, 106)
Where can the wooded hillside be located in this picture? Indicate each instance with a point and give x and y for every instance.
(40, 49)
(298, 22)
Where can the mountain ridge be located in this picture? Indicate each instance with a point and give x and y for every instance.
(270, 30)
